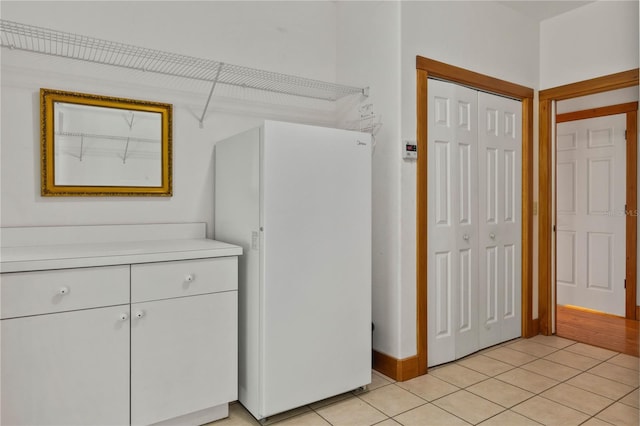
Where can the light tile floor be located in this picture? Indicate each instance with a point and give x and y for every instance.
(546, 380)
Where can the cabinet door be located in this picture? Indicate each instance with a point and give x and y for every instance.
(67, 368)
(183, 356)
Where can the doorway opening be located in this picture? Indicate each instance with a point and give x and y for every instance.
(548, 239)
(594, 226)
(593, 154)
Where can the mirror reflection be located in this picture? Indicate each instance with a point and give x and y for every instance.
(99, 146)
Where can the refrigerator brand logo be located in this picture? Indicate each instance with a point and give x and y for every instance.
(360, 143)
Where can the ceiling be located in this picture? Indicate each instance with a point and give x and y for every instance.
(542, 9)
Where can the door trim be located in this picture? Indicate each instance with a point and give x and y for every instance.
(546, 99)
(630, 109)
(426, 68)
(597, 112)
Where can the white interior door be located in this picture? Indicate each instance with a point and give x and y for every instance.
(453, 228)
(500, 210)
(591, 196)
(474, 226)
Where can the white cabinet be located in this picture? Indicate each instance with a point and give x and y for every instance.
(135, 343)
(184, 340)
(68, 368)
(64, 356)
(43, 292)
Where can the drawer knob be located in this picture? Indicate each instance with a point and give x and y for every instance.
(124, 316)
(189, 278)
(139, 314)
(63, 290)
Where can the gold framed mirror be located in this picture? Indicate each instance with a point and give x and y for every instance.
(94, 145)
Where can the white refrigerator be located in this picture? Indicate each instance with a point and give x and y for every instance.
(297, 198)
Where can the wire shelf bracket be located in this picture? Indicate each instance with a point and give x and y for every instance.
(213, 86)
(14, 35)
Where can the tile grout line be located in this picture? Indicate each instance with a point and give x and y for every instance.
(591, 416)
(505, 409)
(539, 393)
(494, 376)
(405, 411)
(489, 377)
(538, 357)
(614, 402)
(358, 397)
(515, 412)
(455, 415)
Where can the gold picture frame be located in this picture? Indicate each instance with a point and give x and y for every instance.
(93, 145)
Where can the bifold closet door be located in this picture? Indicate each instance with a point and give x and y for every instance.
(474, 226)
(453, 226)
(500, 209)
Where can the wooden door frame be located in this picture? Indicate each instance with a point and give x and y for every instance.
(630, 110)
(426, 68)
(545, 233)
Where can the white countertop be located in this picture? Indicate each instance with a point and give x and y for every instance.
(62, 256)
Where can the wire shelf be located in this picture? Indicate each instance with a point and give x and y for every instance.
(14, 35)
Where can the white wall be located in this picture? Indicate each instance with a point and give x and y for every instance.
(369, 51)
(293, 38)
(378, 42)
(485, 37)
(598, 39)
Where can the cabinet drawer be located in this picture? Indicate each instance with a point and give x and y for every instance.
(41, 292)
(163, 280)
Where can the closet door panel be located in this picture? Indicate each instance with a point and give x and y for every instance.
(442, 183)
(443, 295)
(452, 218)
(500, 142)
(489, 191)
(491, 282)
(511, 227)
(474, 216)
(510, 195)
(465, 216)
(510, 291)
(443, 268)
(466, 140)
(465, 303)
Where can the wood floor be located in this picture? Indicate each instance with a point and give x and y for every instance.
(603, 330)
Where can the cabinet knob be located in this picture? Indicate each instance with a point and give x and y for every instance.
(465, 237)
(492, 236)
(124, 316)
(189, 278)
(63, 290)
(139, 314)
